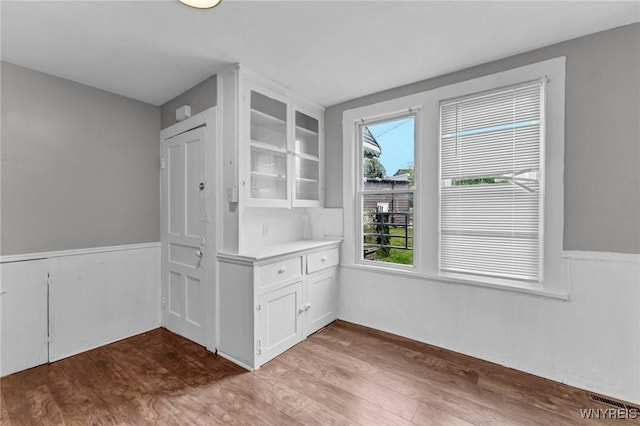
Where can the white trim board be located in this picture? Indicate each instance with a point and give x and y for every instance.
(601, 256)
(75, 252)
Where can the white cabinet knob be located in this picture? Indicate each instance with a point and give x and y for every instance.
(301, 309)
(282, 269)
(323, 259)
(307, 306)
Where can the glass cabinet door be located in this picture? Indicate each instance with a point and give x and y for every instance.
(306, 159)
(268, 148)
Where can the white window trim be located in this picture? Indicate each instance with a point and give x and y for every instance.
(427, 158)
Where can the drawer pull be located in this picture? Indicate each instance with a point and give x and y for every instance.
(301, 309)
(324, 259)
(282, 269)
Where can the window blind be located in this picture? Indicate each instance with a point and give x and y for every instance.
(490, 183)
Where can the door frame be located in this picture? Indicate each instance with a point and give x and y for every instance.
(208, 118)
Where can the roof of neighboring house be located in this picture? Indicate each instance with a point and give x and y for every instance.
(370, 144)
(398, 178)
(390, 179)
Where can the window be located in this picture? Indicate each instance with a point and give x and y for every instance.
(487, 206)
(490, 183)
(387, 185)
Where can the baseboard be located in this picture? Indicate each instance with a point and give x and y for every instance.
(107, 342)
(235, 361)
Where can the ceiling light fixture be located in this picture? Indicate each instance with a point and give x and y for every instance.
(201, 4)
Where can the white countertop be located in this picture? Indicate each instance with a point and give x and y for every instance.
(258, 254)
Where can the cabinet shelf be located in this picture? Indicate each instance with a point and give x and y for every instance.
(268, 175)
(307, 131)
(263, 146)
(262, 119)
(301, 179)
(307, 156)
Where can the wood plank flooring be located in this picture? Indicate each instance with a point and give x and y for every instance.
(344, 374)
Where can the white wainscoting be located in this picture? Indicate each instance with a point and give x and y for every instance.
(96, 296)
(591, 341)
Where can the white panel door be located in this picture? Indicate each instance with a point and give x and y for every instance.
(23, 321)
(183, 234)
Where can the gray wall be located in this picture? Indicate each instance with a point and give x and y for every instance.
(202, 96)
(602, 135)
(80, 166)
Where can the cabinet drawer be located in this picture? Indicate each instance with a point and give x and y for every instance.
(278, 272)
(322, 260)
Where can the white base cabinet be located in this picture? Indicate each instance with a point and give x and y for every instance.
(271, 299)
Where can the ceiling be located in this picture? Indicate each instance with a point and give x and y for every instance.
(328, 51)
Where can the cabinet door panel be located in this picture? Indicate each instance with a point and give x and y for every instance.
(306, 153)
(269, 163)
(280, 321)
(322, 300)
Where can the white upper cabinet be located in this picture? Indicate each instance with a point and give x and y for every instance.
(281, 148)
(271, 155)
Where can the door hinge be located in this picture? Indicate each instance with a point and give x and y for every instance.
(163, 302)
(47, 340)
(162, 163)
(47, 281)
(258, 307)
(259, 350)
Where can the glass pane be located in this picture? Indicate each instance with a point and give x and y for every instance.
(388, 228)
(306, 169)
(306, 141)
(268, 121)
(268, 174)
(306, 122)
(267, 187)
(306, 190)
(388, 155)
(268, 106)
(307, 179)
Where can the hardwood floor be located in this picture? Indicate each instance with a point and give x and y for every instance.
(344, 374)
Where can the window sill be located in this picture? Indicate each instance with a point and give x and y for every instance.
(505, 285)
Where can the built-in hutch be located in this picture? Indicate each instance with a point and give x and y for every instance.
(274, 287)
